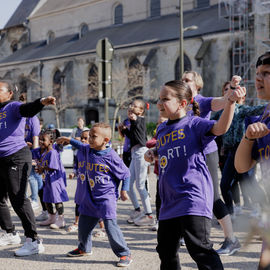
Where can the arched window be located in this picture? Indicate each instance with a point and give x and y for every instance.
(83, 30)
(135, 78)
(202, 3)
(155, 8)
(118, 14)
(93, 82)
(57, 83)
(50, 37)
(14, 46)
(187, 67)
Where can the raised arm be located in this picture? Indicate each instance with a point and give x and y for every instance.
(243, 159)
(225, 120)
(218, 103)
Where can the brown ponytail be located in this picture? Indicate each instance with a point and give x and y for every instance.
(195, 108)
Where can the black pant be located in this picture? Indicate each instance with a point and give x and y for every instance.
(14, 172)
(196, 232)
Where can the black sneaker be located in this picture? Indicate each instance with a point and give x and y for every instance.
(78, 253)
(229, 247)
(124, 261)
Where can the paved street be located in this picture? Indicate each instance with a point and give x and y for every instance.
(141, 241)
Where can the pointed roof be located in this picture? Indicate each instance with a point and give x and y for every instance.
(21, 13)
(139, 33)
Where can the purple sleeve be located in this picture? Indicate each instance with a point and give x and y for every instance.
(205, 105)
(203, 127)
(35, 126)
(53, 160)
(119, 169)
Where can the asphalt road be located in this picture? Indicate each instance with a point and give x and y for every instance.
(141, 241)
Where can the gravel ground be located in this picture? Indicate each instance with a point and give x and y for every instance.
(141, 241)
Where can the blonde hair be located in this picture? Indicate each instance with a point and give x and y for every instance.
(197, 79)
(106, 128)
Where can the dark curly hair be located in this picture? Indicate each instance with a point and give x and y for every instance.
(183, 91)
(50, 133)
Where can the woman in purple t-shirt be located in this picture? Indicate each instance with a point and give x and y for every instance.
(15, 167)
(185, 186)
(208, 104)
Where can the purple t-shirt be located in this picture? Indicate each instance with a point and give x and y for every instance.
(103, 170)
(54, 190)
(261, 147)
(12, 129)
(32, 128)
(80, 168)
(126, 147)
(185, 183)
(205, 112)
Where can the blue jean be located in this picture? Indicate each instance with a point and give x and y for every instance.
(115, 236)
(36, 183)
(138, 175)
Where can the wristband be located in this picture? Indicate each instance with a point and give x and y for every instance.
(231, 101)
(232, 87)
(251, 140)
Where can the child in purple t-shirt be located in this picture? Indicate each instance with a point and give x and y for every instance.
(104, 170)
(185, 184)
(254, 147)
(53, 174)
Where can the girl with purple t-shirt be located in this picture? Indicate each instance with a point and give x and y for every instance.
(53, 174)
(255, 144)
(185, 186)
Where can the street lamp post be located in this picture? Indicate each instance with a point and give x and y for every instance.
(181, 38)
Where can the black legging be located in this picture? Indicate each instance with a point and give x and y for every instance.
(59, 208)
(14, 172)
(219, 208)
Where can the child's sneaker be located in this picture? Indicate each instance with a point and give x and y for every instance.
(43, 216)
(30, 247)
(78, 253)
(155, 227)
(124, 261)
(145, 220)
(72, 228)
(134, 215)
(10, 239)
(59, 223)
(99, 234)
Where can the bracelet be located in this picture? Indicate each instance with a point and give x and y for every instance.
(232, 87)
(251, 140)
(231, 101)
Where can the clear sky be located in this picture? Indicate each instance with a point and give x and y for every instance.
(7, 7)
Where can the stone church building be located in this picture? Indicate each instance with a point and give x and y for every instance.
(48, 47)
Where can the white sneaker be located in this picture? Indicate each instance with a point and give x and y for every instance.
(10, 239)
(59, 223)
(155, 227)
(35, 205)
(134, 215)
(30, 247)
(145, 220)
(43, 216)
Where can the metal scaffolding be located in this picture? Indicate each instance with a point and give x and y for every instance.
(247, 28)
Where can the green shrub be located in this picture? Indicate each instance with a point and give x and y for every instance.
(150, 128)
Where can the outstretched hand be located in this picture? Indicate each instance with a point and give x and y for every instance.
(48, 101)
(63, 140)
(235, 81)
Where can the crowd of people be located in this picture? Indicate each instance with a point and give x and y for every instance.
(186, 160)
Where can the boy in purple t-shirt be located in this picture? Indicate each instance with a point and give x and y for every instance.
(103, 172)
